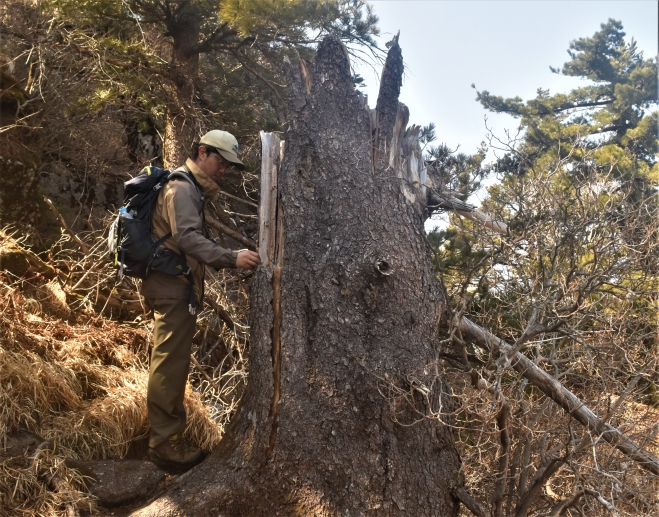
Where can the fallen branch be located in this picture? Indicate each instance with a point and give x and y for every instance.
(59, 484)
(560, 509)
(211, 221)
(461, 494)
(16, 259)
(561, 395)
(222, 313)
(239, 199)
(103, 301)
(208, 378)
(81, 245)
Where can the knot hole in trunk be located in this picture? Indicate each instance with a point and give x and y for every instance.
(383, 266)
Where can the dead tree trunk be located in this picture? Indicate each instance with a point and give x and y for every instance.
(343, 411)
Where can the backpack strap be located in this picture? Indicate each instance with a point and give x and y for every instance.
(185, 173)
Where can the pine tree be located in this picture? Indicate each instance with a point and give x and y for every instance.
(611, 115)
(573, 286)
(190, 49)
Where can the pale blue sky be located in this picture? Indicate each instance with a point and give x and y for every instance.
(505, 47)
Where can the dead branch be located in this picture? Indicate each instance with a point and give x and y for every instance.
(31, 259)
(59, 484)
(222, 313)
(561, 395)
(208, 378)
(560, 509)
(461, 494)
(446, 201)
(503, 423)
(239, 199)
(250, 244)
(81, 245)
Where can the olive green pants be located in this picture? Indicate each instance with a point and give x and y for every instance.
(170, 363)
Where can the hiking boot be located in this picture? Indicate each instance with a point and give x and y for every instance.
(176, 453)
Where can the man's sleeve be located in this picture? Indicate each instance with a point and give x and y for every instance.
(183, 204)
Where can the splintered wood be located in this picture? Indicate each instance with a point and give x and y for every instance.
(271, 153)
(271, 251)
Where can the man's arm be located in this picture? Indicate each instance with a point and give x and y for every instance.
(183, 205)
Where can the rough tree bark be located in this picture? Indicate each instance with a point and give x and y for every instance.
(180, 89)
(331, 422)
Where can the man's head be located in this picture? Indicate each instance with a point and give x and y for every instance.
(215, 153)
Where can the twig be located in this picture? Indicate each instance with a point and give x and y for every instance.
(561, 395)
(211, 381)
(82, 245)
(239, 199)
(250, 244)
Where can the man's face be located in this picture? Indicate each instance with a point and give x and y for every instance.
(213, 165)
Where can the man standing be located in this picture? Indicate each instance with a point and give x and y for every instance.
(178, 211)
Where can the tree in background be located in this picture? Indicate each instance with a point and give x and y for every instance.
(112, 86)
(573, 287)
(189, 48)
(611, 114)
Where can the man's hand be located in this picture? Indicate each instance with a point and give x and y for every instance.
(248, 259)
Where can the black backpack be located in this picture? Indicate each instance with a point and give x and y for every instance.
(133, 249)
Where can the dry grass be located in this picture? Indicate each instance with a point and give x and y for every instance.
(78, 380)
(42, 485)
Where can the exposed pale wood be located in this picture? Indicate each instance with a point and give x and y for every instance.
(76, 239)
(396, 147)
(234, 234)
(482, 218)
(561, 395)
(413, 163)
(270, 159)
(282, 148)
(276, 244)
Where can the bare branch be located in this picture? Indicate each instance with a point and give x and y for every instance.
(561, 395)
(231, 233)
(81, 245)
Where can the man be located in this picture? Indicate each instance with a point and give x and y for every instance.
(179, 210)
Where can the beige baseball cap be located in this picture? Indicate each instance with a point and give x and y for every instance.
(225, 144)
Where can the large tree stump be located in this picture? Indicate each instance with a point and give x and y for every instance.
(340, 416)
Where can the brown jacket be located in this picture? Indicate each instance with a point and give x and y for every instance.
(177, 211)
